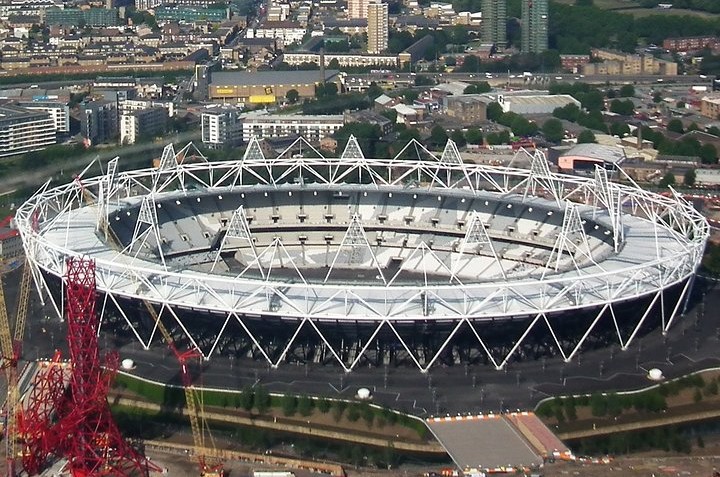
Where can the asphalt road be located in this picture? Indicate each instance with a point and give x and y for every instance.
(690, 345)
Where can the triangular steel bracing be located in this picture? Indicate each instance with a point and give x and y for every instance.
(352, 150)
(274, 256)
(355, 242)
(253, 151)
(541, 178)
(604, 195)
(352, 154)
(424, 260)
(168, 160)
(451, 159)
(238, 230)
(146, 227)
(571, 240)
(352, 160)
(189, 153)
(106, 188)
(476, 237)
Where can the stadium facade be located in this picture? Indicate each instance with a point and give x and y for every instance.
(417, 260)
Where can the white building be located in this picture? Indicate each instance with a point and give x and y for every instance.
(131, 105)
(221, 127)
(59, 112)
(534, 103)
(312, 128)
(343, 59)
(142, 123)
(286, 33)
(23, 130)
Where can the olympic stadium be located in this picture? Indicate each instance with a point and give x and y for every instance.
(421, 260)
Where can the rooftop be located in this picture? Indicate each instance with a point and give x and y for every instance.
(609, 154)
(244, 78)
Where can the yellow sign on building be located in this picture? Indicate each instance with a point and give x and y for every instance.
(262, 98)
(224, 90)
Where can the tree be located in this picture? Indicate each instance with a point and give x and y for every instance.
(424, 80)
(675, 125)
(474, 136)
(305, 406)
(289, 405)
(262, 400)
(619, 129)
(471, 64)
(478, 88)
(598, 405)
(246, 398)
(627, 91)
(689, 178)
(338, 408)
(623, 108)
(586, 136)
(292, 96)
(494, 111)
(553, 130)
(708, 154)
(458, 138)
(657, 98)
(667, 180)
(438, 136)
(324, 405)
(374, 91)
(522, 127)
(323, 90)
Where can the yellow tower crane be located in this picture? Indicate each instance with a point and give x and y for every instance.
(210, 465)
(11, 348)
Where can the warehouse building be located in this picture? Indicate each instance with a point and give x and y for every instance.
(535, 103)
(266, 86)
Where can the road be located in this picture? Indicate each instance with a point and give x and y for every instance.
(517, 79)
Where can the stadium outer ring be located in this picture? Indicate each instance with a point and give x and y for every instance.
(67, 220)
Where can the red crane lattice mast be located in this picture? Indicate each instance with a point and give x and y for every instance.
(83, 430)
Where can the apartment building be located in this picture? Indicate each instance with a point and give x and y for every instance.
(377, 27)
(312, 128)
(221, 127)
(142, 123)
(23, 130)
(59, 112)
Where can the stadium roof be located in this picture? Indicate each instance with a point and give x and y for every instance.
(244, 78)
(608, 154)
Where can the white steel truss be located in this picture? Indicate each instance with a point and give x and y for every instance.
(667, 234)
(350, 252)
(571, 240)
(476, 238)
(146, 228)
(540, 178)
(606, 196)
(239, 231)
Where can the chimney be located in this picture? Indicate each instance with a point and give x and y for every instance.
(322, 65)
